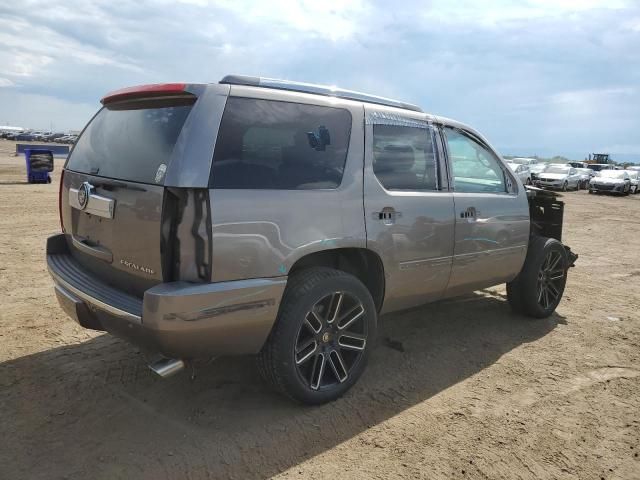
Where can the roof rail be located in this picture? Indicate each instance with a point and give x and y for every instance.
(327, 91)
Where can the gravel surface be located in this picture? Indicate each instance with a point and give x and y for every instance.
(459, 389)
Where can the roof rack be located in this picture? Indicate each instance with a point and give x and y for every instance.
(327, 91)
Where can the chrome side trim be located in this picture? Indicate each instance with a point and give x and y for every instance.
(93, 301)
(97, 204)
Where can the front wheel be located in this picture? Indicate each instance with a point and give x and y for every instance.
(538, 288)
(320, 343)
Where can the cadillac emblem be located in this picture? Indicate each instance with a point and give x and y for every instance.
(83, 194)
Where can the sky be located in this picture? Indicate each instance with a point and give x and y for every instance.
(538, 77)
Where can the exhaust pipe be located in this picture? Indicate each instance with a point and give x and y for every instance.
(165, 367)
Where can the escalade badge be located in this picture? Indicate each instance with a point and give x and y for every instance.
(83, 194)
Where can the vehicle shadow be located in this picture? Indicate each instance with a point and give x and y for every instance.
(93, 410)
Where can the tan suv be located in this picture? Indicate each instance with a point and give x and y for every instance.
(259, 216)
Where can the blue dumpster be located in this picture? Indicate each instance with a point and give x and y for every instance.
(39, 164)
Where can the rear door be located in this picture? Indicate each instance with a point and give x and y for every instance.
(408, 208)
(112, 195)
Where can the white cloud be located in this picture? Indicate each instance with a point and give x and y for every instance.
(534, 72)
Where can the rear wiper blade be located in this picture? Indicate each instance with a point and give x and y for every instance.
(110, 184)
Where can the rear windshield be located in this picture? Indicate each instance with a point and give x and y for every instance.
(130, 143)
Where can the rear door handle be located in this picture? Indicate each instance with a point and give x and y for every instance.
(387, 215)
(94, 250)
(470, 213)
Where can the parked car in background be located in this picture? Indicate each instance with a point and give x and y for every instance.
(634, 178)
(522, 171)
(596, 167)
(66, 139)
(611, 181)
(524, 161)
(52, 136)
(577, 164)
(536, 169)
(561, 177)
(586, 174)
(24, 137)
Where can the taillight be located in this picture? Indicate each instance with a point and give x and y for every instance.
(60, 200)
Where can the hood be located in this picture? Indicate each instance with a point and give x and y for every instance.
(553, 176)
(608, 181)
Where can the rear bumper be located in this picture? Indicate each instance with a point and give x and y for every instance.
(177, 319)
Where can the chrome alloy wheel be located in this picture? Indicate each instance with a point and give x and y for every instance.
(550, 279)
(331, 340)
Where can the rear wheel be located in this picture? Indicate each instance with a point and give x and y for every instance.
(538, 288)
(320, 343)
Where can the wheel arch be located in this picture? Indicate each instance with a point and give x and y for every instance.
(362, 263)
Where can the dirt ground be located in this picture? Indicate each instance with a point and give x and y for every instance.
(458, 389)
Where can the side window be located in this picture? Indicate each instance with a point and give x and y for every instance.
(265, 144)
(474, 168)
(404, 158)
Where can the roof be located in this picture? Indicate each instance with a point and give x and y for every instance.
(325, 90)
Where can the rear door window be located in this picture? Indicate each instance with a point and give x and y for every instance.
(265, 144)
(133, 142)
(404, 157)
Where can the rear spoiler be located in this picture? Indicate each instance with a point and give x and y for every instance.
(145, 91)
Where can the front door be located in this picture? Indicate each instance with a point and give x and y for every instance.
(491, 216)
(408, 209)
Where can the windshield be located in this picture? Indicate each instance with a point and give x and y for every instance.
(633, 174)
(552, 169)
(611, 174)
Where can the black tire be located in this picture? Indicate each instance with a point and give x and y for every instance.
(590, 191)
(538, 288)
(294, 371)
(565, 185)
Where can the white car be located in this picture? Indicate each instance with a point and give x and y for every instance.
(585, 176)
(536, 169)
(522, 171)
(634, 177)
(561, 177)
(611, 181)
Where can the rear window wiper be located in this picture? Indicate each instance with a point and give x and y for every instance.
(111, 184)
